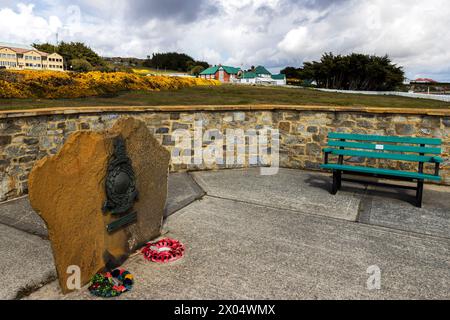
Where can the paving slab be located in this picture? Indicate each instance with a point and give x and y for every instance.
(394, 208)
(26, 262)
(18, 214)
(289, 189)
(277, 237)
(182, 190)
(238, 250)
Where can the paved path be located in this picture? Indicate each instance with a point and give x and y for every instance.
(247, 239)
(26, 258)
(26, 262)
(289, 189)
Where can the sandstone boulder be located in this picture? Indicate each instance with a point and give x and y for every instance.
(68, 191)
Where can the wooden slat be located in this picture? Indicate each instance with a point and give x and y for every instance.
(388, 172)
(387, 147)
(376, 138)
(384, 155)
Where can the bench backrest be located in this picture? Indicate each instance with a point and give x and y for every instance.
(415, 149)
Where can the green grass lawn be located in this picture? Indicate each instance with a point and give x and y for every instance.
(229, 94)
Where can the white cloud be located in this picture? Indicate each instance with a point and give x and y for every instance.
(24, 25)
(413, 33)
(275, 33)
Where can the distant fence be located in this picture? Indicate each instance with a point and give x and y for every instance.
(445, 98)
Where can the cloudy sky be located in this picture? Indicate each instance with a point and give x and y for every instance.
(274, 33)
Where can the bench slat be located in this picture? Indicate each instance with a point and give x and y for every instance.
(363, 137)
(383, 155)
(387, 147)
(405, 174)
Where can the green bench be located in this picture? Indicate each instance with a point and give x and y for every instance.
(419, 150)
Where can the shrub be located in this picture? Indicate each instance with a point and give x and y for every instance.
(80, 65)
(196, 70)
(56, 85)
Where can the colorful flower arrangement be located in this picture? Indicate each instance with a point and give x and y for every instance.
(163, 251)
(111, 284)
(60, 85)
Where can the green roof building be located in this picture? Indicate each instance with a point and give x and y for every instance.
(221, 73)
(260, 75)
(260, 70)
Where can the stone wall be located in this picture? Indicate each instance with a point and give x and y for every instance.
(30, 135)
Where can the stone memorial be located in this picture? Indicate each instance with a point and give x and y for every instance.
(102, 196)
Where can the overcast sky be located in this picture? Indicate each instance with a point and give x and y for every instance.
(274, 33)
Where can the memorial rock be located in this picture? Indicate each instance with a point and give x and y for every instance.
(102, 197)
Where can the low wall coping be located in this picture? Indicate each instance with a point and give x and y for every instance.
(193, 108)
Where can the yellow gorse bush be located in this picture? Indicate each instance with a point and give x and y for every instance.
(54, 85)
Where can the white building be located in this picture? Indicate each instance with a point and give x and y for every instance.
(14, 56)
(261, 76)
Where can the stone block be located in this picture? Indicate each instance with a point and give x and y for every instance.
(177, 125)
(284, 126)
(5, 140)
(404, 129)
(313, 149)
(162, 130)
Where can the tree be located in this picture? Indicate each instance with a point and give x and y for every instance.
(204, 64)
(73, 50)
(290, 72)
(196, 70)
(171, 61)
(351, 72)
(80, 65)
(45, 47)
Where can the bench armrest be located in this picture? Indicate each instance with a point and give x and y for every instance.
(437, 160)
(326, 152)
(436, 169)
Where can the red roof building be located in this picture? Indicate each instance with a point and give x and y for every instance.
(424, 80)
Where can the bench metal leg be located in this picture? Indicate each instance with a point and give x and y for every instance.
(339, 180)
(419, 194)
(334, 187)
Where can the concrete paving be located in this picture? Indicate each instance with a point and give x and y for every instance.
(18, 214)
(238, 250)
(286, 237)
(182, 191)
(392, 208)
(26, 262)
(289, 189)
